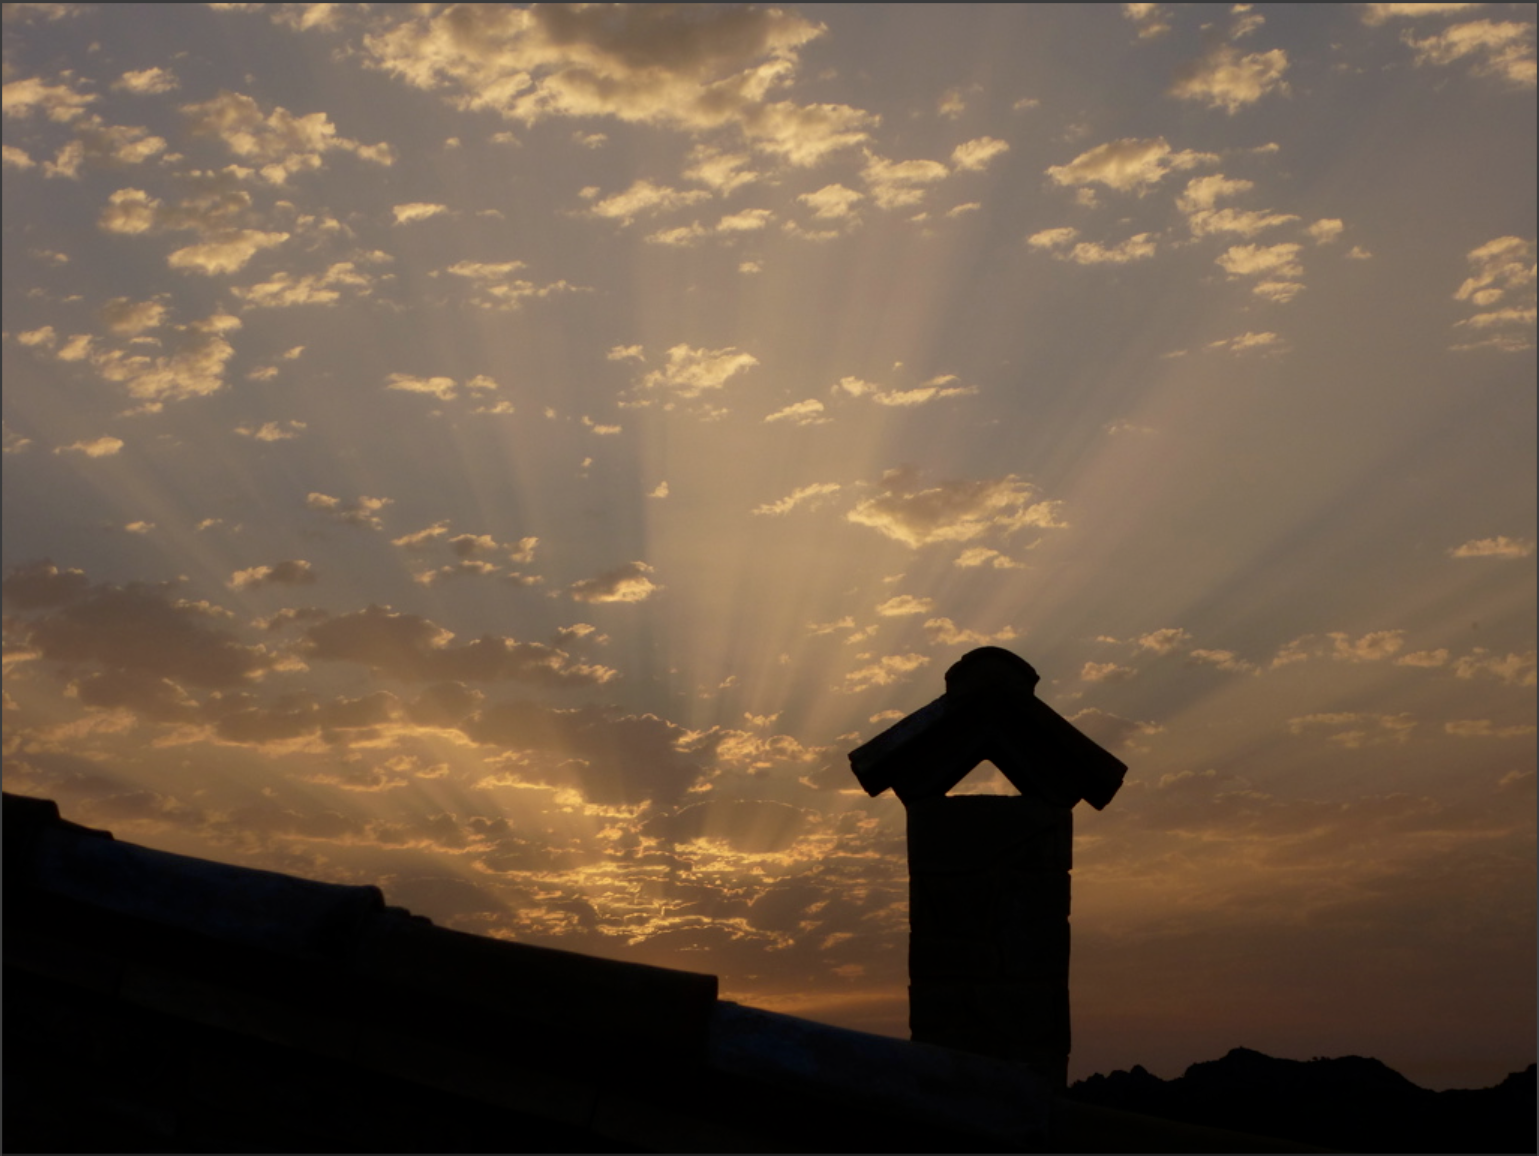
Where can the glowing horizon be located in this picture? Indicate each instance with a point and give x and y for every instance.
(512, 456)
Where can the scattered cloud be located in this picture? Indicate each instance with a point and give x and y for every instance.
(687, 69)
(976, 155)
(1513, 669)
(1355, 730)
(1250, 342)
(975, 556)
(1127, 165)
(147, 82)
(889, 670)
(1501, 49)
(797, 497)
(627, 583)
(1106, 672)
(945, 632)
(102, 447)
(1484, 729)
(1498, 547)
(907, 511)
(1502, 271)
(905, 604)
(363, 512)
(809, 412)
(1151, 20)
(1225, 78)
(279, 143)
(896, 184)
(832, 202)
(691, 372)
(416, 211)
(293, 572)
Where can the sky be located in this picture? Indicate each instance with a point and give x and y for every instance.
(512, 456)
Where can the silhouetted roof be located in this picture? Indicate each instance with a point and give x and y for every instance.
(164, 1002)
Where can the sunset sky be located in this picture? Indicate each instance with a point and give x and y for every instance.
(512, 456)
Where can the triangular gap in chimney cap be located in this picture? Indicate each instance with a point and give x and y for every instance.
(984, 779)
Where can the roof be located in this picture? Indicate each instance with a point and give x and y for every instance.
(172, 1003)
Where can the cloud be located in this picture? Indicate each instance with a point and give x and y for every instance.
(610, 758)
(278, 142)
(416, 211)
(44, 337)
(1374, 14)
(722, 171)
(147, 81)
(364, 512)
(1151, 20)
(1372, 647)
(17, 158)
(1275, 266)
(228, 254)
(951, 510)
(126, 317)
(1250, 342)
(627, 583)
(1501, 270)
(976, 155)
(271, 431)
(1223, 78)
(905, 604)
(797, 497)
(1106, 672)
(414, 649)
(1163, 641)
(1513, 669)
(809, 412)
(935, 389)
(832, 202)
(645, 197)
(443, 388)
(1499, 547)
(1484, 729)
(1223, 659)
(692, 69)
(99, 142)
(691, 372)
(944, 632)
(1501, 49)
(1052, 238)
(1138, 247)
(58, 102)
(283, 290)
(495, 288)
(1201, 195)
(1362, 729)
(1127, 165)
(894, 184)
(982, 555)
(1325, 230)
(102, 447)
(746, 221)
(626, 353)
(292, 572)
(888, 670)
(140, 629)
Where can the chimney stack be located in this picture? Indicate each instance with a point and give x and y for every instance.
(989, 874)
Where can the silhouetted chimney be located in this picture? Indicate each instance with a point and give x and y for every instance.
(989, 874)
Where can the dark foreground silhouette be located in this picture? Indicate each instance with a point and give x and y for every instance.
(1351, 1104)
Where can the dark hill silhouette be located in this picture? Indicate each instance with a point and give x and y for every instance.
(1349, 1103)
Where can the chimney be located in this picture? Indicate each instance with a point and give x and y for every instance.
(989, 874)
